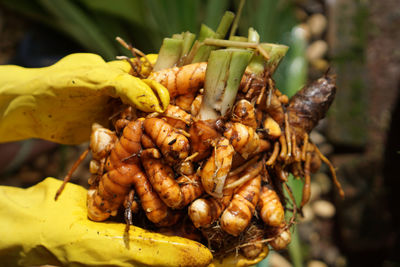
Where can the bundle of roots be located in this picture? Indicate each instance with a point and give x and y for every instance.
(220, 182)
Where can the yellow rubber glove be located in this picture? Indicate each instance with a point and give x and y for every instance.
(238, 260)
(60, 102)
(36, 230)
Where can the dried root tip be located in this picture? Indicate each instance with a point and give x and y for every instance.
(130, 204)
(307, 181)
(332, 169)
(274, 107)
(122, 116)
(71, 171)
(281, 173)
(288, 139)
(315, 163)
(283, 152)
(274, 155)
(270, 207)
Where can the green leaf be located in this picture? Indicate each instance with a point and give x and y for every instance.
(206, 32)
(214, 11)
(75, 22)
(32, 10)
(188, 15)
(130, 10)
(295, 252)
(294, 248)
(296, 66)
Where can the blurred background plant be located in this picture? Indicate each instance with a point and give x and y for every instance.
(93, 25)
(36, 33)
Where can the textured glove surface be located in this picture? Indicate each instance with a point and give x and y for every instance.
(60, 102)
(35, 230)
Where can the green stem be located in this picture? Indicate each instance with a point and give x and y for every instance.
(205, 32)
(225, 24)
(223, 75)
(203, 51)
(238, 38)
(254, 37)
(188, 39)
(214, 84)
(240, 60)
(170, 53)
(275, 52)
(237, 18)
(229, 43)
(295, 249)
(257, 65)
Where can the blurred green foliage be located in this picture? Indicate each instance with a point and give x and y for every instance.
(95, 24)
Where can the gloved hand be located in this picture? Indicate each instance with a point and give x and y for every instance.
(36, 230)
(60, 103)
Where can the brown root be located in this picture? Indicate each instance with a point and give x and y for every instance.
(332, 169)
(71, 171)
